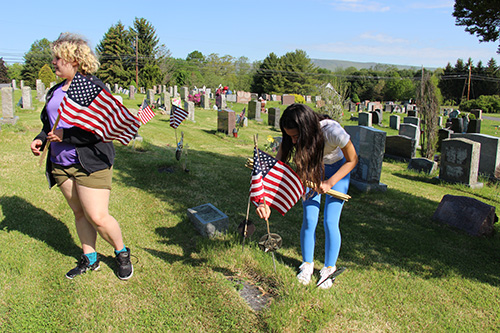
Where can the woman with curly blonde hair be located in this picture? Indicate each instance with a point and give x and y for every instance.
(79, 162)
(324, 154)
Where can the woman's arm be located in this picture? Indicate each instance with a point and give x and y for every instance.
(351, 160)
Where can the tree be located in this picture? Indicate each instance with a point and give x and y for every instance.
(145, 42)
(39, 54)
(15, 71)
(46, 75)
(298, 72)
(4, 77)
(269, 76)
(481, 18)
(115, 53)
(428, 104)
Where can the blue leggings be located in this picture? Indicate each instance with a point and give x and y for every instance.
(333, 208)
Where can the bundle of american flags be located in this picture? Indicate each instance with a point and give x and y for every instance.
(145, 113)
(177, 116)
(92, 108)
(275, 182)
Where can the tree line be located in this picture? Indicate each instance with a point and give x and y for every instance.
(135, 56)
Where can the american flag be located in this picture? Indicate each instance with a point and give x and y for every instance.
(90, 107)
(145, 113)
(178, 115)
(275, 181)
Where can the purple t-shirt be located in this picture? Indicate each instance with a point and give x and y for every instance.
(61, 153)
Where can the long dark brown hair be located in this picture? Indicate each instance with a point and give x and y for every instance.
(308, 151)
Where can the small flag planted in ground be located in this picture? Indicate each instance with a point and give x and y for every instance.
(178, 116)
(275, 181)
(145, 113)
(90, 107)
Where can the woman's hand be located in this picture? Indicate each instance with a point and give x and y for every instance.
(324, 187)
(263, 211)
(35, 147)
(55, 135)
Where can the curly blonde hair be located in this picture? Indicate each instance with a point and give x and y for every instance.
(72, 47)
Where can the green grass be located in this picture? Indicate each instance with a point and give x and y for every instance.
(405, 272)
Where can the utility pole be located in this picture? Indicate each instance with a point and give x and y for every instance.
(468, 85)
(137, 60)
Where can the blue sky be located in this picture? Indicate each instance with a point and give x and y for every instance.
(412, 32)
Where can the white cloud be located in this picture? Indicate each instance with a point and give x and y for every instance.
(381, 38)
(432, 4)
(359, 6)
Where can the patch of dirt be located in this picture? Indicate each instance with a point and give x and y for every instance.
(255, 297)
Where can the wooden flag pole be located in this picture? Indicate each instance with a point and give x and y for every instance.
(255, 140)
(44, 153)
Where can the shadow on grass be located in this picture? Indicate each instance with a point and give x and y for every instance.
(22, 216)
(390, 230)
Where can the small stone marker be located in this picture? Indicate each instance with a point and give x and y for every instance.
(468, 214)
(208, 220)
(422, 165)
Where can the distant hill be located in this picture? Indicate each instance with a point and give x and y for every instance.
(343, 64)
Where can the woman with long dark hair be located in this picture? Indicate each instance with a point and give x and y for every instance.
(324, 155)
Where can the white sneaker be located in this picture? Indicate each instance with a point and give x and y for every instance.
(306, 271)
(324, 281)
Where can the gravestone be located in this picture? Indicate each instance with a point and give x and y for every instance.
(468, 214)
(220, 101)
(489, 151)
(119, 98)
(205, 101)
(243, 97)
(376, 117)
(394, 121)
(21, 84)
(131, 92)
(175, 93)
(254, 109)
(411, 131)
(189, 107)
(400, 147)
(443, 134)
(27, 100)
(116, 91)
(460, 162)
(14, 86)
(8, 107)
(422, 164)
(365, 119)
(226, 121)
(231, 98)
(167, 103)
(208, 220)
(150, 96)
(412, 120)
(474, 126)
(288, 100)
(412, 113)
(454, 113)
(370, 146)
(184, 93)
(274, 117)
(40, 90)
(478, 113)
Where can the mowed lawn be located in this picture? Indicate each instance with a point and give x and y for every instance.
(405, 272)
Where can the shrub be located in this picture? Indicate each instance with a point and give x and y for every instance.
(487, 103)
(299, 98)
(46, 75)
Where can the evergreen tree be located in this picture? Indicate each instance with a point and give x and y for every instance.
(145, 42)
(269, 76)
(428, 104)
(114, 53)
(46, 75)
(4, 77)
(39, 54)
(298, 72)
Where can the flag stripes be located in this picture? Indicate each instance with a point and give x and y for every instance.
(89, 107)
(177, 117)
(276, 182)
